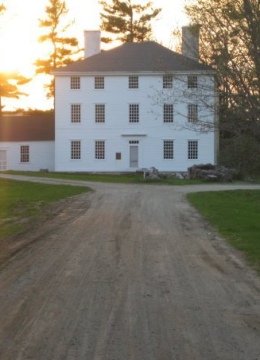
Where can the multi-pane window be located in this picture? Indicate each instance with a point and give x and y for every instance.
(133, 113)
(99, 82)
(75, 82)
(192, 113)
(192, 82)
(168, 149)
(99, 113)
(75, 149)
(75, 113)
(192, 149)
(100, 149)
(133, 82)
(167, 81)
(168, 113)
(24, 154)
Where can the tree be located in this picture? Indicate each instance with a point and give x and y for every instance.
(230, 43)
(63, 48)
(9, 86)
(128, 22)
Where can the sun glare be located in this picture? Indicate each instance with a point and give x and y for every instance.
(19, 31)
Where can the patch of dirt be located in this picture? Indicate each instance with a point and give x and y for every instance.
(128, 272)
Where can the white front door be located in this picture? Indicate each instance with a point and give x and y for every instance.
(3, 164)
(134, 156)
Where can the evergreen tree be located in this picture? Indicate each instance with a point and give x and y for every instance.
(126, 21)
(63, 48)
(9, 86)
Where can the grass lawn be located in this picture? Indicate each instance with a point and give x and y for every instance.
(127, 178)
(236, 215)
(21, 200)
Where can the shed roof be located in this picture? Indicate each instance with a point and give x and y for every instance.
(27, 128)
(147, 56)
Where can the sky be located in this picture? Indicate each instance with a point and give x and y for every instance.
(19, 31)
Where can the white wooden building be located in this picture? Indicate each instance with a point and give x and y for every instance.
(136, 106)
(27, 143)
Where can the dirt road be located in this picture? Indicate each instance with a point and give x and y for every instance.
(128, 272)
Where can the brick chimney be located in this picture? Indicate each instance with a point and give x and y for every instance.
(91, 42)
(190, 42)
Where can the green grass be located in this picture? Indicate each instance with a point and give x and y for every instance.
(126, 178)
(236, 215)
(21, 200)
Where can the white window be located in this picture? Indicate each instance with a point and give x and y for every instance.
(75, 82)
(167, 81)
(99, 113)
(192, 149)
(24, 153)
(168, 113)
(99, 82)
(75, 113)
(133, 113)
(192, 113)
(192, 82)
(100, 149)
(168, 149)
(75, 149)
(133, 82)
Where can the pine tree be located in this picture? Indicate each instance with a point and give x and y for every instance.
(9, 86)
(62, 48)
(126, 21)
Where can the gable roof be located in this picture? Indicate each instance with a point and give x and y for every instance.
(27, 128)
(147, 56)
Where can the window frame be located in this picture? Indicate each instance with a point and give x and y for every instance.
(167, 81)
(168, 149)
(75, 150)
(75, 113)
(134, 113)
(193, 113)
(133, 82)
(24, 154)
(99, 82)
(100, 113)
(100, 150)
(168, 113)
(75, 83)
(193, 151)
(192, 82)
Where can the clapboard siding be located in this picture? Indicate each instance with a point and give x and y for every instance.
(117, 131)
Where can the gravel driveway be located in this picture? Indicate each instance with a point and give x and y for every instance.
(128, 272)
